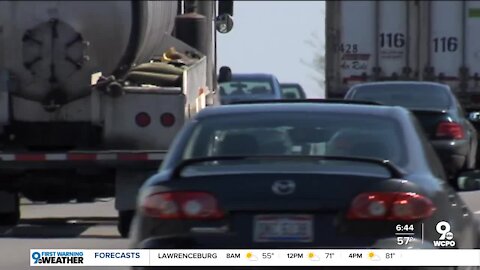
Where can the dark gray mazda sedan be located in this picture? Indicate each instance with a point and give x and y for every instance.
(302, 175)
(440, 114)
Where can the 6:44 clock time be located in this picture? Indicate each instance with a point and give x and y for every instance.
(404, 233)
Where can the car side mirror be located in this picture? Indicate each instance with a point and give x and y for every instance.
(474, 116)
(224, 19)
(225, 7)
(469, 181)
(224, 23)
(225, 74)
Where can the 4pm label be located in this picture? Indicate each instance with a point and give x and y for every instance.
(446, 236)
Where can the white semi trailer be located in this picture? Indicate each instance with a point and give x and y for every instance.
(404, 40)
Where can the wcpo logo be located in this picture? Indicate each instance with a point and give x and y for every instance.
(60, 257)
(446, 236)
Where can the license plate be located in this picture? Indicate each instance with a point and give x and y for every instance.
(283, 228)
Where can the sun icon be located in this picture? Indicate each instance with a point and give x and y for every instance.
(313, 257)
(372, 256)
(251, 257)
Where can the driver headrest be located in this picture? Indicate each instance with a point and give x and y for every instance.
(239, 144)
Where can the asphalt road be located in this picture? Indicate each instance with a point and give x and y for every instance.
(90, 225)
(80, 226)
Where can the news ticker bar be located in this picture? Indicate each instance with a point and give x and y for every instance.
(254, 257)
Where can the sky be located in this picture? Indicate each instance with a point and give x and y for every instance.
(271, 37)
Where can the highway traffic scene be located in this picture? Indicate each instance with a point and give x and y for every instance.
(119, 129)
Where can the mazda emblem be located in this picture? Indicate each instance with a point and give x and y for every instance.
(283, 187)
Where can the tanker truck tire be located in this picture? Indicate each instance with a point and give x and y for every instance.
(11, 218)
(124, 222)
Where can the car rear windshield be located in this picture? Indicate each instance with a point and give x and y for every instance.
(298, 133)
(246, 87)
(292, 92)
(411, 96)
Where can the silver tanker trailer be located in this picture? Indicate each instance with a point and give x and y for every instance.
(92, 93)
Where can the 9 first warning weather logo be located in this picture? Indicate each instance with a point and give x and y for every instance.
(59, 257)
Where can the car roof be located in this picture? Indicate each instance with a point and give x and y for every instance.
(252, 75)
(364, 87)
(290, 84)
(401, 82)
(378, 110)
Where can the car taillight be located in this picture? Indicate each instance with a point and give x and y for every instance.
(142, 119)
(399, 206)
(450, 130)
(167, 119)
(182, 205)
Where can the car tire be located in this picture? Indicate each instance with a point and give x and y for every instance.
(478, 235)
(124, 222)
(85, 199)
(11, 218)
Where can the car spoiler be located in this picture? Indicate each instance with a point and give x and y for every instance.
(395, 171)
(429, 111)
(313, 100)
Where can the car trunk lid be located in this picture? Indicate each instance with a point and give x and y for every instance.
(430, 119)
(283, 191)
(312, 213)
